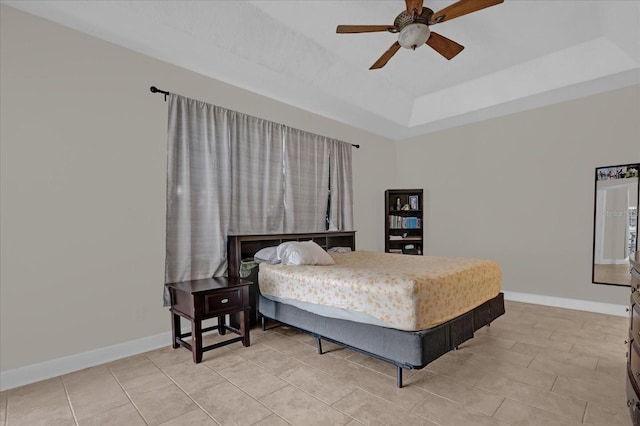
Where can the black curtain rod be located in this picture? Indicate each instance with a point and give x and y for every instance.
(154, 89)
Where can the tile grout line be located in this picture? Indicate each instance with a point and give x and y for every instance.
(183, 391)
(66, 392)
(6, 410)
(498, 409)
(128, 396)
(584, 415)
(554, 383)
(533, 358)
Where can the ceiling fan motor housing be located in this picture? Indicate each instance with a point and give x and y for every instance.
(404, 18)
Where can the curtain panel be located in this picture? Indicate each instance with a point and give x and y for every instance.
(198, 190)
(232, 173)
(256, 175)
(341, 186)
(306, 186)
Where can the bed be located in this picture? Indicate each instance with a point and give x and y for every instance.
(408, 324)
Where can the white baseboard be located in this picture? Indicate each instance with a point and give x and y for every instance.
(10, 379)
(561, 302)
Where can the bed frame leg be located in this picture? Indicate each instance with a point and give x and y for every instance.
(263, 323)
(319, 344)
(399, 377)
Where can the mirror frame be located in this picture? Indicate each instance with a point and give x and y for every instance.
(595, 217)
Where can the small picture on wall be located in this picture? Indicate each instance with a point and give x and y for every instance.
(414, 203)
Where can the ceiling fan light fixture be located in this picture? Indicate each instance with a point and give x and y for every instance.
(412, 26)
(414, 35)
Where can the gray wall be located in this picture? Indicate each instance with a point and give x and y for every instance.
(520, 189)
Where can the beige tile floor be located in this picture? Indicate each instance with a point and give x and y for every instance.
(535, 365)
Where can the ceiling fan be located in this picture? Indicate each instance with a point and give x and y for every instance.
(412, 26)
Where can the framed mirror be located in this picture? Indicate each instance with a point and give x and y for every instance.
(615, 223)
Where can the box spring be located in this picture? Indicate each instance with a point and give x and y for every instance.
(404, 349)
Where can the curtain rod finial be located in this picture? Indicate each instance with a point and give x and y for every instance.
(154, 89)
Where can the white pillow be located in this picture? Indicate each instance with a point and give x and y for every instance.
(267, 255)
(303, 253)
(339, 250)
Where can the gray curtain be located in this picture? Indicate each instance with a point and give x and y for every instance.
(341, 185)
(198, 190)
(231, 173)
(256, 179)
(306, 188)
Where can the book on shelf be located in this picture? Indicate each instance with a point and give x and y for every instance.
(402, 222)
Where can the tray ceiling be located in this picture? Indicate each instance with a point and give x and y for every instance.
(518, 55)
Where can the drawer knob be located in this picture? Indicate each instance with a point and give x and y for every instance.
(224, 301)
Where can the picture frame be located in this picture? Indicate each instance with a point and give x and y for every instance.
(414, 202)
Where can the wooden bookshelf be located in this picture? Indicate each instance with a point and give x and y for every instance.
(403, 230)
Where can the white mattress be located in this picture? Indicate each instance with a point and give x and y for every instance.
(394, 290)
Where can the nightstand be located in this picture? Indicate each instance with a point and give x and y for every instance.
(198, 300)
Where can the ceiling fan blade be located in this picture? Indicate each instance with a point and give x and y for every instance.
(350, 29)
(462, 7)
(382, 61)
(444, 46)
(414, 4)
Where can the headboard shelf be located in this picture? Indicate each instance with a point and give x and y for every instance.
(245, 246)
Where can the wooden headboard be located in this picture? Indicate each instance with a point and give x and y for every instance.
(245, 246)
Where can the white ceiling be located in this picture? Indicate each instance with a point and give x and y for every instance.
(518, 55)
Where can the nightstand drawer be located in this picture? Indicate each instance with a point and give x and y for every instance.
(223, 301)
